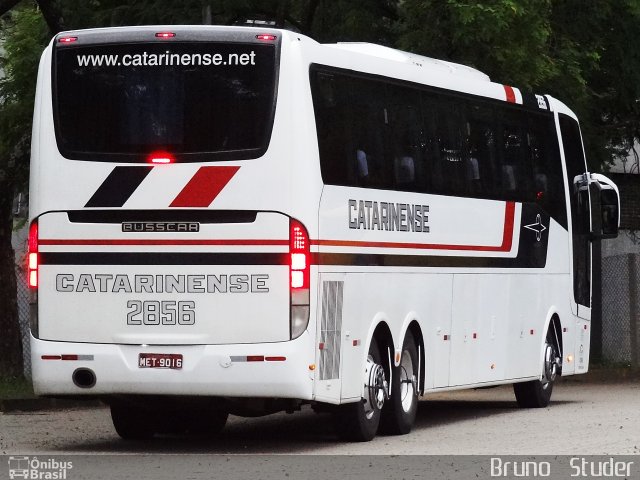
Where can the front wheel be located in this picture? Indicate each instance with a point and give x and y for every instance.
(400, 411)
(359, 421)
(537, 393)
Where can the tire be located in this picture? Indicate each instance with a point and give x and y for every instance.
(209, 422)
(537, 393)
(399, 413)
(359, 421)
(131, 423)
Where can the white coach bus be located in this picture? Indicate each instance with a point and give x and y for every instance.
(240, 220)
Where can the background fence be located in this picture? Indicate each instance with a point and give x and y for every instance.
(620, 311)
(620, 302)
(23, 316)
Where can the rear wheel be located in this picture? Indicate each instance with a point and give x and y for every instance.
(359, 421)
(537, 393)
(400, 411)
(131, 422)
(209, 422)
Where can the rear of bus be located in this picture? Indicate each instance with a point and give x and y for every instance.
(166, 254)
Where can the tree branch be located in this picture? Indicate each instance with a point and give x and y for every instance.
(52, 15)
(309, 14)
(6, 5)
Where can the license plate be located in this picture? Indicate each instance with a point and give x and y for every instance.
(160, 360)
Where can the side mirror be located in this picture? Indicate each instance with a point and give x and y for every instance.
(608, 201)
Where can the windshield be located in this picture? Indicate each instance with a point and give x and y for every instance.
(198, 101)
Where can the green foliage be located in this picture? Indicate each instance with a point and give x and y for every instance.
(506, 39)
(23, 37)
(577, 51)
(12, 387)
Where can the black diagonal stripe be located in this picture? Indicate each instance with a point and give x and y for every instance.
(161, 258)
(118, 186)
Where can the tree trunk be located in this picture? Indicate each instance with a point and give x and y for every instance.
(52, 15)
(10, 337)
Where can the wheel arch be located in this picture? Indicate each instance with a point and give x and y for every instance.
(416, 331)
(553, 324)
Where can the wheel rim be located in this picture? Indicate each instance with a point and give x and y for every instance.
(407, 381)
(550, 370)
(376, 388)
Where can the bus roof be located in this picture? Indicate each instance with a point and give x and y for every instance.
(393, 54)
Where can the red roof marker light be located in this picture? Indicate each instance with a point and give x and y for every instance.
(165, 34)
(67, 39)
(266, 36)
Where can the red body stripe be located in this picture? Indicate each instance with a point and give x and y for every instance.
(163, 242)
(505, 246)
(511, 95)
(507, 239)
(204, 186)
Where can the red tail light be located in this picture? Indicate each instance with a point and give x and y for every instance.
(32, 256)
(299, 255)
(299, 277)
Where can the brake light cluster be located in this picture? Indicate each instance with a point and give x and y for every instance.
(33, 256)
(299, 277)
(161, 157)
(299, 252)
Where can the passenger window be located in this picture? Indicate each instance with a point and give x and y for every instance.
(481, 146)
(330, 102)
(451, 133)
(406, 138)
(368, 127)
(515, 168)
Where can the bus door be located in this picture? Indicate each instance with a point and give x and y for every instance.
(578, 188)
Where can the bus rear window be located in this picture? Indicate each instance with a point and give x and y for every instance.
(200, 101)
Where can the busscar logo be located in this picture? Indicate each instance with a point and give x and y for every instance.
(176, 227)
(34, 468)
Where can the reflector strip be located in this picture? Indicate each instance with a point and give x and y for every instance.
(204, 186)
(275, 359)
(255, 358)
(68, 357)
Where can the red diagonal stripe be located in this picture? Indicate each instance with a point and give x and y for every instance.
(511, 95)
(204, 186)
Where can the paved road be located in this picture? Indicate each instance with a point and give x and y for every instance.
(584, 419)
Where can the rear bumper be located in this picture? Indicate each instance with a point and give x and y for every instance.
(208, 370)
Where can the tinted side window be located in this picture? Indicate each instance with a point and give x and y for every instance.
(381, 134)
(482, 165)
(369, 125)
(580, 213)
(332, 112)
(544, 155)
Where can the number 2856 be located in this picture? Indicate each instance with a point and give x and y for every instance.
(166, 312)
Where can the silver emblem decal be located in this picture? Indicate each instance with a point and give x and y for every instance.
(537, 227)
